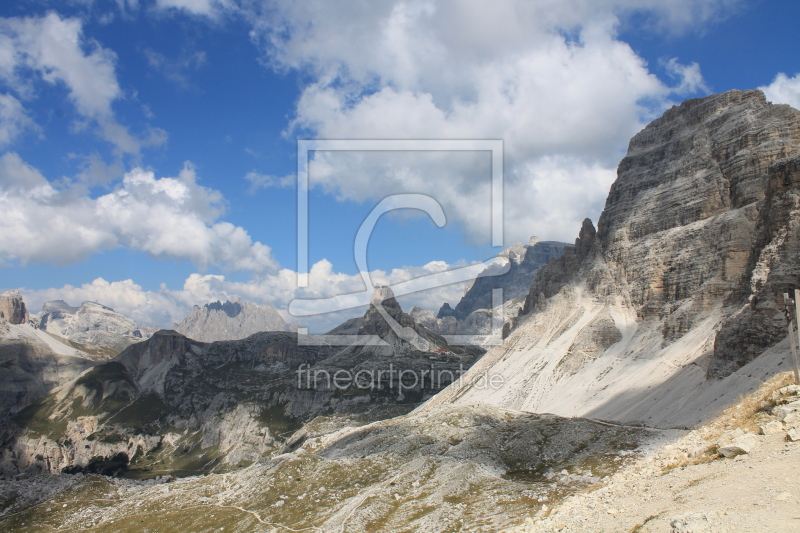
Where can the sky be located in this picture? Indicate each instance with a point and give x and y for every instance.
(148, 149)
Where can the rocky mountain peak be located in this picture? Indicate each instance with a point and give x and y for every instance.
(226, 321)
(383, 295)
(522, 263)
(12, 307)
(92, 323)
(445, 311)
(232, 309)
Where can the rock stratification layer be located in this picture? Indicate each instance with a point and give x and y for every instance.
(680, 286)
(12, 308)
(522, 263)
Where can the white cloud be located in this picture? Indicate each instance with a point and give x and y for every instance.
(266, 181)
(13, 119)
(784, 90)
(164, 217)
(207, 8)
(55, 49)
(166, 306)
(689, 76)
(551, 79)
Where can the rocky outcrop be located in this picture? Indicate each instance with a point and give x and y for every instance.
(550, 279)
(445, 311)
(675, 302)
(191, 407)
(91, 324)
(522, 263)
(12, 308)
(218, 321)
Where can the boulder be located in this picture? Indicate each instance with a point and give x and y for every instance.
(739, 446)
(771, 428)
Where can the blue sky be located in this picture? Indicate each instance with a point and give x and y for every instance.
(148, 148)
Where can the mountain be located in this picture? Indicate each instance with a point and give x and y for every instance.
(522, 261)
(673, 307)
(33, 362)
(91, 323)
(12, 308)
(229, 321)
(171, 404)
(660, 317)
(512, 271)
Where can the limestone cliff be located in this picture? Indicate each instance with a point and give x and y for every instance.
(522, 263)
(681, 284)
(12, 308)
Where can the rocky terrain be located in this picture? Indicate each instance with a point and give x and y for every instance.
(637, 341)
(737, 473)
(522, 261)
(458, 469)
(91, 324)
(499, 290)
(172, 405)
(230, 321)
(673, 307)
(32, 361)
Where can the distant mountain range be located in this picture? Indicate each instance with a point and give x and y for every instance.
(228, 321)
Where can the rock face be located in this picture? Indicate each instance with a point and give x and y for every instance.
(445, 311)
(12, 308)
(191, 407)
(674, 304)
(92, 324)
(229, 321)
(34, 362)
(522, 262)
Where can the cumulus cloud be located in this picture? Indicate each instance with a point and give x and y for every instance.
(163, 217)
(551, 79)
(165, 306)
(55, 49)
(784, 90)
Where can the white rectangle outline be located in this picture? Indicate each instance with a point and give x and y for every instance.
(304, 146)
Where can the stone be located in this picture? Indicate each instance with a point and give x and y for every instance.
(789, 390)
(740, 445)
(445, 311)
(793, 435)
(785, 412)
(12, 307)
(771, 428)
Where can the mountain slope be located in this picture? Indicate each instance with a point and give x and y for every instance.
(91, 323)
(173, 405)
(522, 262)
(672, 308)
